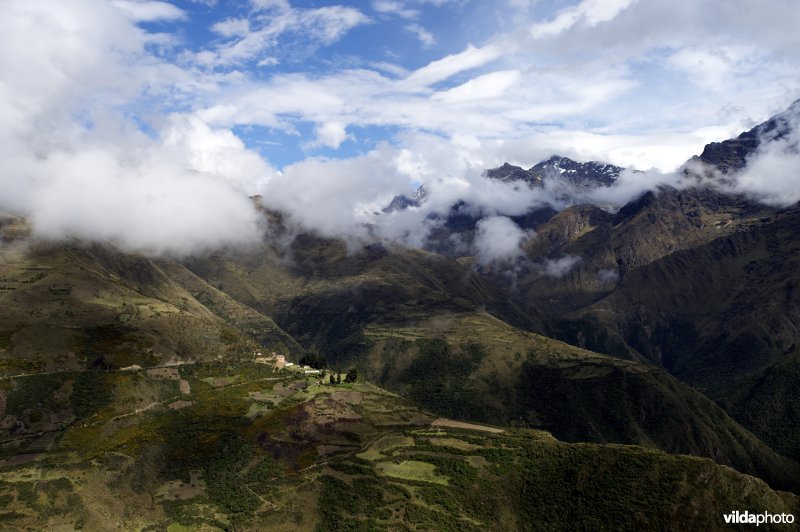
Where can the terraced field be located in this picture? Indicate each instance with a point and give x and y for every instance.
(315, 456)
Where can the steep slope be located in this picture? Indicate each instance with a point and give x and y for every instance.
(605, 247)
(360, 307)
(474, 366)
(724, 317)
(324, 294)
(76, 307)
(730, 156)
(247, 447)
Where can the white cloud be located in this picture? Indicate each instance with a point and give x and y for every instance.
(425, 37)
(215, 152)
(498, 238)
(336, 197)
(393, 7)
(274, 22)
(707, 68)
(268, 61)
(634, 83)
(232, 27)
(330, 134)
(152, 206)
(559, 267)
(269, 4)
(451, 65)
(390, 68)
(608, 275)
(772, 174)
(97, 176)
(147, 11)
(492, 85)
(590, 12)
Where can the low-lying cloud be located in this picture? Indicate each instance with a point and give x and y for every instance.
(112, 132)
(498, 238)
(772, 174)
(79, 167)
(560, 267)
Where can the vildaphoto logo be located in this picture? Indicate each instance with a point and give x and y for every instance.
(746, 518)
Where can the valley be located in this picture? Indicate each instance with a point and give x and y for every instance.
(645, 379)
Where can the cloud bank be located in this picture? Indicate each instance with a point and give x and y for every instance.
(78, 167)
(116, 125)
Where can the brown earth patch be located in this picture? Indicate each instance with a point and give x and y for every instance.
(19, 459)
(443, 422)
(177, 405)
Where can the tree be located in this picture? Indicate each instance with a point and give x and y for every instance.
(352, 375)
(315, 359)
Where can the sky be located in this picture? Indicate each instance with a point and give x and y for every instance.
(150, 122)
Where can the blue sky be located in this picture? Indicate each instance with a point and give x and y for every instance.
(642, 83)
(329, 107)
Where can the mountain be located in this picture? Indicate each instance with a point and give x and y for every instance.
(220, 445)
(140, 391)
(93, 308)
(588, 174)
(723, 317)
(398, 314)
(402, 201)
(731, 155)
(601, 248)
(558, 169)
(703, 287)
(508, 173)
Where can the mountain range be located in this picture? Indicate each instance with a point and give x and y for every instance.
(655, 343)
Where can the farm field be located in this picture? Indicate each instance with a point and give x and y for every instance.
(138, 453)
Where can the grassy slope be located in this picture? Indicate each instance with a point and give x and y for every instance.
(132, 310)
(340, 302)
(323, 294)
(723, 317)
(651, 227)
(351, 457)
(71, 307)
(476, 367)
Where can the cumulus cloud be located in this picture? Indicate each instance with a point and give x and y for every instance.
(335, 197)
(330, 134)
(179, 188)
(152, 205)
(498, 238)
(558, 267)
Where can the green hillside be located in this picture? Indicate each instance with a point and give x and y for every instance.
(246, 447)
(721, 317)
(129, 395)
